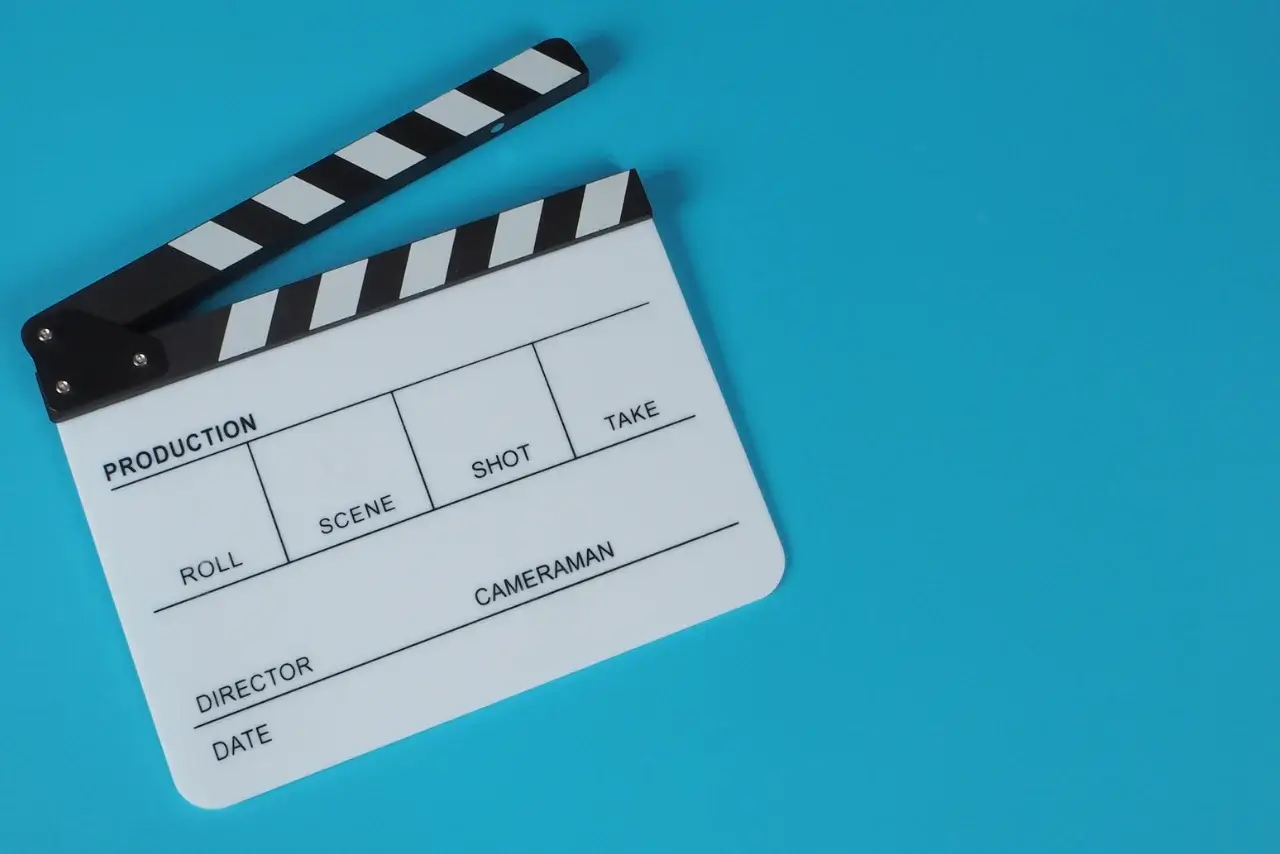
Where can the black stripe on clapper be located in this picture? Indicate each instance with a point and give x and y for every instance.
(635, 204)
(499, 91)
(259, 223)
(340, 178)
(417, 132)
(472, 248)
(294, 306)
(383, 278)
(559, 223)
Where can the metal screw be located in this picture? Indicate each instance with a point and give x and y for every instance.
(140, 359)
(62, 386)
(44, 334)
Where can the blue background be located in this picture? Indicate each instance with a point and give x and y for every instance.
(992, 289)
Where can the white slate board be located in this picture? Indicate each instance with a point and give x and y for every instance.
(398, 520)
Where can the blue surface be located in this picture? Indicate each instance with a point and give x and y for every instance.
(993, 291)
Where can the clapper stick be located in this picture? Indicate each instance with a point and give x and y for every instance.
(106, 341)
(276, 317)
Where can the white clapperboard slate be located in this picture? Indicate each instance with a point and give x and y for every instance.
(341, 512)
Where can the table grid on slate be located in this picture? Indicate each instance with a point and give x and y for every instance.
(354, 471)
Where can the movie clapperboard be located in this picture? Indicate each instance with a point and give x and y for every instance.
(341, 512)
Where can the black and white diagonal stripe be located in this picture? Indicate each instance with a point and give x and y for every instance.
(293, 311)
(274, 215)
(363, 172)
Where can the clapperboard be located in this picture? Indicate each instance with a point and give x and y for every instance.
(341, 512)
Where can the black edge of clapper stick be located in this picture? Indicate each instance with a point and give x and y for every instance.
(93, 347)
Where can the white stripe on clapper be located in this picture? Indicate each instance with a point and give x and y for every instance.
(459, 113)
(247, 325)
(214, 245)
(380, 155)
(298, 200)
(516, 232)
(602, 204)
(338, 294)
(428, 264)
(537, 71)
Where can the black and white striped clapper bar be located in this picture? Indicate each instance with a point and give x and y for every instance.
(341, 512)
